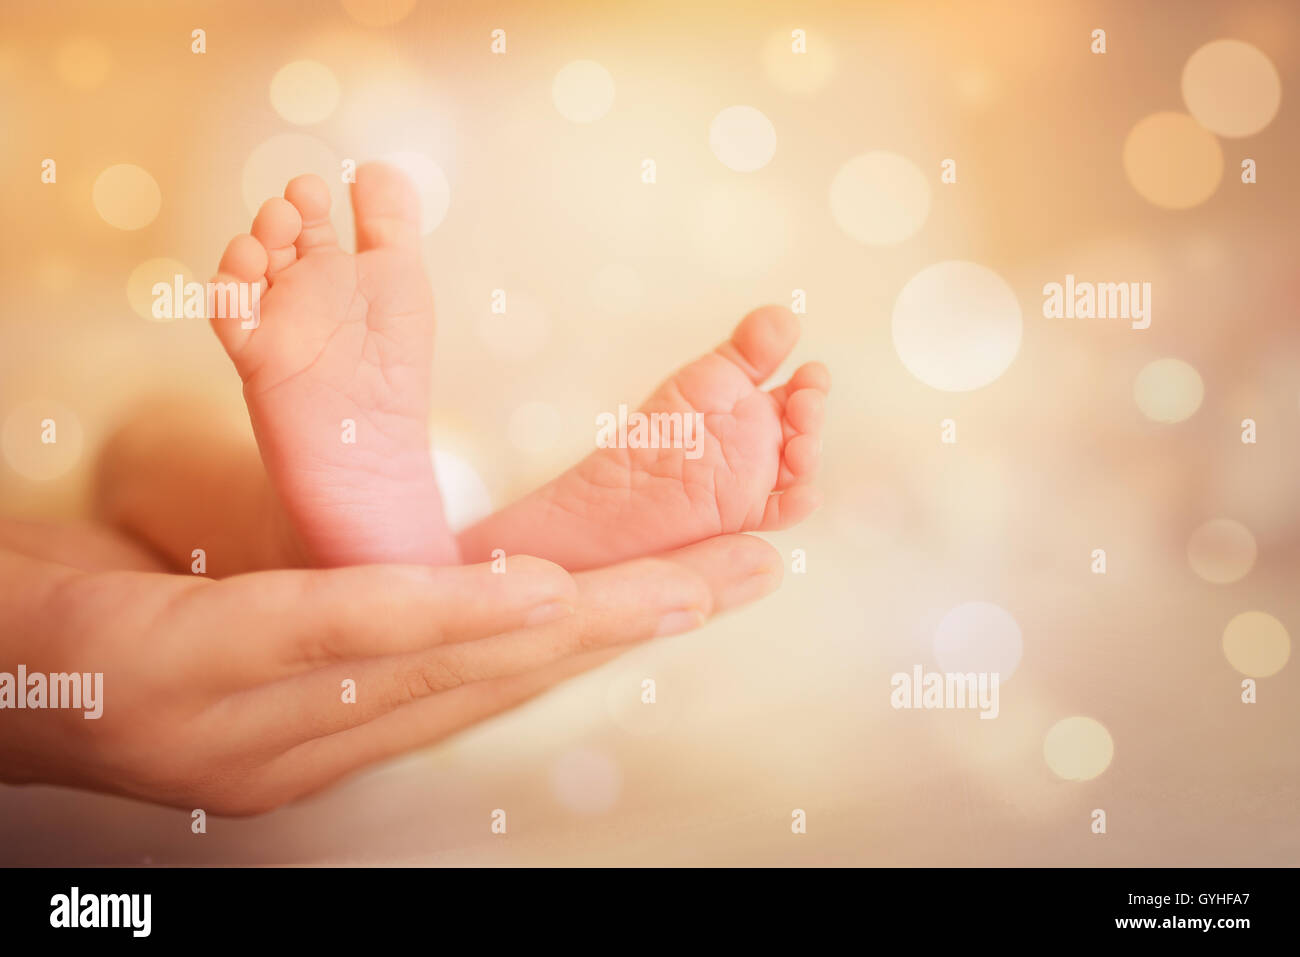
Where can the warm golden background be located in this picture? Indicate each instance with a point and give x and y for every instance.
(612, 282)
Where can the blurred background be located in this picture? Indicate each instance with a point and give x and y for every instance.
(1122, 690)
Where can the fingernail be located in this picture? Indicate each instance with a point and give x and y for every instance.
(551, 611)
(674, 623)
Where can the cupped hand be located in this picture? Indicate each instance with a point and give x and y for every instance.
(240, 695)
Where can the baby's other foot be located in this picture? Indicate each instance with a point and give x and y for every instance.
(336, 370)
(750, 468)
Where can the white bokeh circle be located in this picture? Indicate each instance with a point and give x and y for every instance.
(304, 92)
(957, 326)
(140, 285)
(1168, 390)
(1078, 748)
(583, 91)
(1231, 88)
(978, 637)
(126, 196)
(284, 156)
(42, 440)
(430, 183)
(880, 198)
(742, 138)
(1222, 551)
(1256, 644)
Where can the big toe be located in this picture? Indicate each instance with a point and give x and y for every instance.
(762, 341)
(386, 207)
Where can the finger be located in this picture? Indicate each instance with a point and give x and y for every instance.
(281, 623)
(734, 569)
(622, 604)
(737, 569)
(318, 763)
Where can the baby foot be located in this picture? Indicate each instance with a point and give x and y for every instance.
(336, 370)
(752, 470)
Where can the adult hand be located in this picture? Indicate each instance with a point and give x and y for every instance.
(230, 695)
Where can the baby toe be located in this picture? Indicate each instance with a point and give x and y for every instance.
(805, 410)
(311, 197)
(810, 375)
(231, 308)
(244, 259)
(277, 226)
(790, 507)
(803, 455)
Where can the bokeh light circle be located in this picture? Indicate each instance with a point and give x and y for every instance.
(1168, 390)
(1173, 161)
(277, 160)
(880, 198)
(127, 196)
(583, 91)
(957, 326)
(742, 138)
(304, 92)
(1231, 88)
(1222, 551)
(140, 284)
(978, 636)
(1256, 644)
(25, 434)
(430, 183)
(1078, 748)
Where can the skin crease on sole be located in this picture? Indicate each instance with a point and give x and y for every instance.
(759, 455)
(336, 372)
(337, 385)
